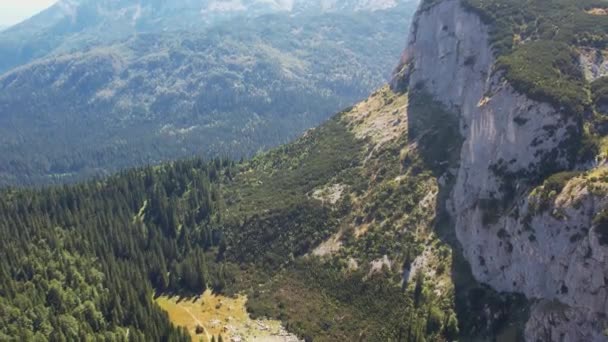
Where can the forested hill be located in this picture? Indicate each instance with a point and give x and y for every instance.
(146, 95)
(319, 233)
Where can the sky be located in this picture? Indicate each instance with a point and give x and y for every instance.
(15, 11)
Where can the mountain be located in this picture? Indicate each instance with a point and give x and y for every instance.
(245, 84)
(72, 25)
(320, 234)
(528, 198)
(465, 201)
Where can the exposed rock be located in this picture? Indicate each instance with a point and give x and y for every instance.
(329, 246)
(562, 320)
(330, 194)
(377, 265)
(552, 255)
(420, 264)
(594, 63)
(353, 265)
(598, 11)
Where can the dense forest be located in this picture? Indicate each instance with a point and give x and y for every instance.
(84, 260)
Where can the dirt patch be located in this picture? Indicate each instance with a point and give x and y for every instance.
(597, 11)
(329, 246)
(222, 315)
(429, 200)
(330, 194)
(376, 266)
(361, 230)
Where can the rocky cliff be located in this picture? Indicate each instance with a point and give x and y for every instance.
(523, 228)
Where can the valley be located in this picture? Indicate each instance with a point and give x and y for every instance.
(140, 96)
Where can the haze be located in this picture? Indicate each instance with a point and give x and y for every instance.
(15, 11)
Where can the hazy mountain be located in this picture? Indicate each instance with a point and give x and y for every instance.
(229, 88)
(73, 24)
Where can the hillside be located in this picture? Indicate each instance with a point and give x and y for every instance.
(451, 205)
(341, 235)
(256, 228)
(230, 89)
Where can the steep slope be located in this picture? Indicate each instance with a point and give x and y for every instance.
(341, 235)
(260, 228)
(231, 90)
(522, 226)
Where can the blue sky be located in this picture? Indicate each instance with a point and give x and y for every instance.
(14, 11)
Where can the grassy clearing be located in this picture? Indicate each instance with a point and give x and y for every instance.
(218, 314)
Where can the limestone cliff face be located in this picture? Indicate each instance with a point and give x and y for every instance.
(553, 255)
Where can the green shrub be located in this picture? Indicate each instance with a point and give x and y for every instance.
(547, 71)
(545, 66)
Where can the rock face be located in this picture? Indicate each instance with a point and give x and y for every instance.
(594, 63)
(553, 255)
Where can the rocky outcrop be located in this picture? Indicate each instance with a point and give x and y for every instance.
(552, 321)
(594, 63)
(510, 141)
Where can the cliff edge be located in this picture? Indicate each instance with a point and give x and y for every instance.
(530, 218)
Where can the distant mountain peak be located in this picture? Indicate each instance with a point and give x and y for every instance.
(72, 25)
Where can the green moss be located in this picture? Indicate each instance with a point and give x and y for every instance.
(556, 80)
(557, 182)
(599, 93)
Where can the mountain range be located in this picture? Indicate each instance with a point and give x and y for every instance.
(69, 25)
(90, 87)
